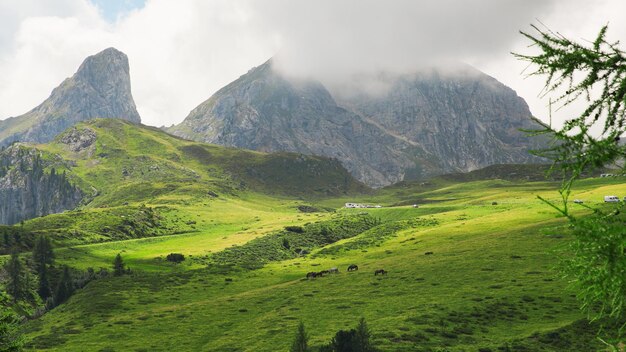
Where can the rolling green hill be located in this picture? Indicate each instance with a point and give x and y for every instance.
(138, 182)
(473, 268)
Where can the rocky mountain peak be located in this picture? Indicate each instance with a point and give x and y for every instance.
(100, 88)
(426, 123)
(106, 70)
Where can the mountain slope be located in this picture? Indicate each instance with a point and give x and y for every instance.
(466, 118)
(111, 162)
(100, 88)
(33, 184)
(263, 111)
(426, 124)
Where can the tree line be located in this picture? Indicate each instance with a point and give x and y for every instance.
(39, 283)
(353, 340)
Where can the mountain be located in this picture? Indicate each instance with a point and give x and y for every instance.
(100, 88)
(263, 111)
(107, 163)
(31, 186)
(466, 118)
(423, 124)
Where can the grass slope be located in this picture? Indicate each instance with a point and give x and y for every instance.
(141, 182)
(490, 283)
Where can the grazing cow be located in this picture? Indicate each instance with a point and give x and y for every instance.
(353, 267)
(310, 275)
(333, 270)
(319, 274)
(380, 271)
(324, 272)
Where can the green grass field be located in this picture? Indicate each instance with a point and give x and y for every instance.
(463, 274)
(490, 283)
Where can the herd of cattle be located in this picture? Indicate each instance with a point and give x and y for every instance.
(335, 270)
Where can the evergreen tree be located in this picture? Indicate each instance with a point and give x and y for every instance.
(118, 265)
(65, 289)
(353, 340)
(43, 287)
(43, 256)
(300, 343)
(10, 339)
(595, 72)
(17, 285)
(362, 337)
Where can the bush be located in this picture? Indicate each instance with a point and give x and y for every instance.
(296, 229)
(175, 257)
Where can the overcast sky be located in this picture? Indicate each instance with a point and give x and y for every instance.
(182, 51)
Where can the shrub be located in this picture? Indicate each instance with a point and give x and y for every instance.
(175, 257)
(296, 229)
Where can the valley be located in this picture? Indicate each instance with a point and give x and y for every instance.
(474, 266)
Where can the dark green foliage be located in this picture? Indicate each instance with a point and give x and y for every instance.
(43, 257)
(118, 265)
(65, 288)
(17, 285)
(255, 253)
(10, 338)
(301, 341)
(353, 340)
(286, 243)
(362, 337)
(175, 257)
(296, 229)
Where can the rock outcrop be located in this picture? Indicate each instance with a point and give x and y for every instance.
(31, 185)
(100, 88)
(424, 124)
(263, 111)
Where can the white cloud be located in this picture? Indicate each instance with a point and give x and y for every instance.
(181, 52)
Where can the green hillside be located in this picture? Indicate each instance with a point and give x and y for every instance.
(473, 268)
(140, 182)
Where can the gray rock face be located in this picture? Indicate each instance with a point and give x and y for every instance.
(30, 186)
(78, 139)
(263, 111)
(424, 124)
(468, 120)
(100, 88)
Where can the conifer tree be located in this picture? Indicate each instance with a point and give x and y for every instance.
(594, 73)
(43, 256)
(65, 287)
(300, 343)
(362, 337)
(118, 265)
(17, 285)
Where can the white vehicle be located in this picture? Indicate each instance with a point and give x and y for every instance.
(611, 199)
(578, 201)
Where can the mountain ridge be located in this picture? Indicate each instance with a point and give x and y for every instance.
(99, 88)
(104, 163)
(425, 124)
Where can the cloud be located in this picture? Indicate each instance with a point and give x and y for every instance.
(334, 39)
(181, 52)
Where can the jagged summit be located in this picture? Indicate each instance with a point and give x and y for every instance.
(100, 88)
(423, 124)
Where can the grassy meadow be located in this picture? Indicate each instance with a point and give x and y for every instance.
(473, 268)
(490, 283)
